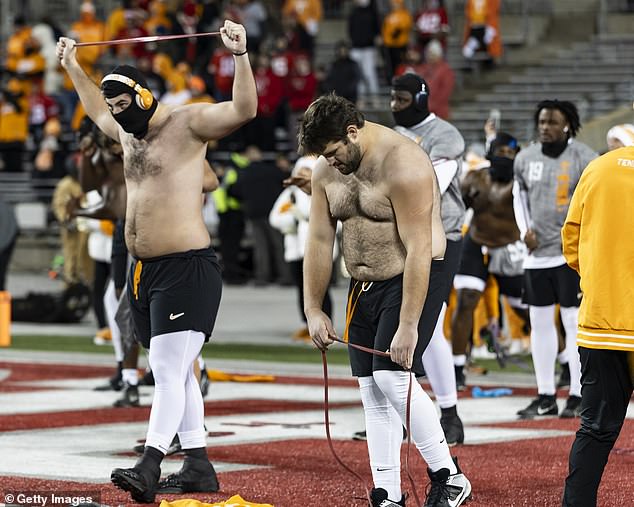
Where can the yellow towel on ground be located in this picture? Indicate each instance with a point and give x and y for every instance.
(221, 376)
(234, 501)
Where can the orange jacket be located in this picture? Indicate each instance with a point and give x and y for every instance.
(492, 19)
(307, 12)
(597, 243)
(397, 27)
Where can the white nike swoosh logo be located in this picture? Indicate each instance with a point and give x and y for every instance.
(174, 317)
(542, 411)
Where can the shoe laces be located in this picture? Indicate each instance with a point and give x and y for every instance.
(436, 492)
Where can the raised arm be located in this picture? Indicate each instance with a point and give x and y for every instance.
(89, 92)
(213, 121)
(412, 197)
(318, 259)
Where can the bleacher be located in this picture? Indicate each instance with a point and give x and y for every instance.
(597, 75)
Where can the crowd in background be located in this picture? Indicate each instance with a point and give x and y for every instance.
(40, 115)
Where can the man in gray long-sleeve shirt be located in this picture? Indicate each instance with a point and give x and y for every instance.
(444, 145)
(546, 175)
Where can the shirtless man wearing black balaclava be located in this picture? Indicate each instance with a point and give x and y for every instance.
(175, 281)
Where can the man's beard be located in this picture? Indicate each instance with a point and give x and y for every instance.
(354, 160)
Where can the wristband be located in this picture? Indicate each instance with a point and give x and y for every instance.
(240, 54)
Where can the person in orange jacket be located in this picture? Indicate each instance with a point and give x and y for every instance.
(395, 34)
(482, 29)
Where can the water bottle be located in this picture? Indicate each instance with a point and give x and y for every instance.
(478, 392)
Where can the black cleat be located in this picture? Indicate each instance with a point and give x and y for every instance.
(196, 476)
(447, 490)
(452, 427)
(130, 397)
(572, 408)
(360, 435)
(139, 483)
(115, 383)
(379, 499)
(543, 405)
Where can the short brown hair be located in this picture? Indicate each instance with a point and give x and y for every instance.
(326, 120)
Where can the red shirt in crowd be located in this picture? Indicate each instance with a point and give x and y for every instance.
(222, 67)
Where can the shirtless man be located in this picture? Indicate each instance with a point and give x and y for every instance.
(381, 186)
(489, 193)
(101, 169)
(175, 279)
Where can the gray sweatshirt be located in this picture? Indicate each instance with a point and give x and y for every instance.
(444, 144)
(549, 184)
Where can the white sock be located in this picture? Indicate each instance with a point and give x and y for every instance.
(384, 436)
(569, 318)
(425, 428)
(130, 376)
(171, 357)
(460, 360)
(438, 364)
(544, 344)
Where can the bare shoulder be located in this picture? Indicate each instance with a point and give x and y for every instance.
(407, 161)
(322, 172)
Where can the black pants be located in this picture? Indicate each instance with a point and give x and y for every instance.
(102, 275)
(230, 231)
(606, 388)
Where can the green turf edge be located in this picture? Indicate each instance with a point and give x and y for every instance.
(295, 353)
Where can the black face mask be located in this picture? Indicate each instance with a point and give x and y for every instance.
(135, 120)
(501, 169)
(409, 116)
(554, 149)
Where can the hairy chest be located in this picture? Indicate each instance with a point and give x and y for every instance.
(141, 160)
(149, 157)
(348, 199)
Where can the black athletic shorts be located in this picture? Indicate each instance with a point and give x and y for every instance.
(548, 286)
(175, 292)
(376, 308)
(512, 286)
(453, 253)
(472, 261)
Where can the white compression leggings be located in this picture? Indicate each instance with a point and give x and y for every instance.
(544, 345)
(384, 397)
(178, 403)
(438, 364)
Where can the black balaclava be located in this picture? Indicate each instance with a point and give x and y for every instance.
(418, 110)
(555, 148)
(133, 119)
(501, 168)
